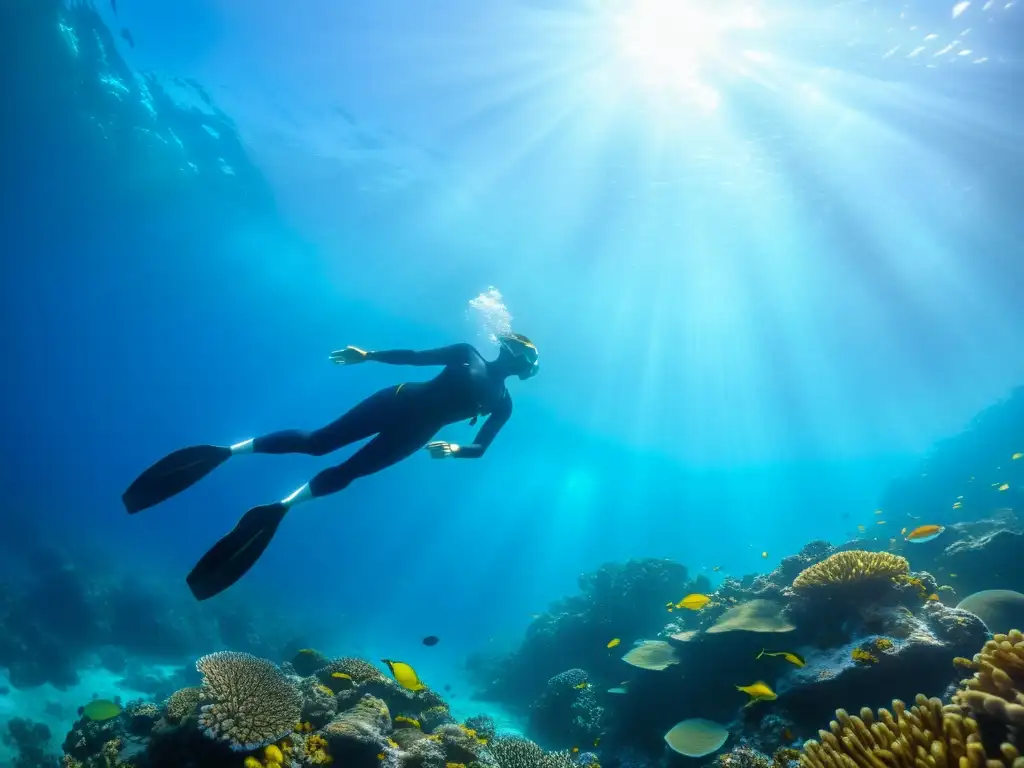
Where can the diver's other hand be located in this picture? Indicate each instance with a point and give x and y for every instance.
(439, 449)
(349, 356)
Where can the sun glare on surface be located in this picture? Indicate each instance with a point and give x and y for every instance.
(672, 44)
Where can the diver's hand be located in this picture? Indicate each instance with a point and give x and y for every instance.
(442, 450)
(349, 356)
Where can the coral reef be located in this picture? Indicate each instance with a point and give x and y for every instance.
(567, 713)
(249, 702)
(29, 741)
(851, 569)
(994, 695)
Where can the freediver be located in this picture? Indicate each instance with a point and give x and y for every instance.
(402, 419)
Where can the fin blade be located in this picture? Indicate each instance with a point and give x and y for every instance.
(172, 475)
(232, 557)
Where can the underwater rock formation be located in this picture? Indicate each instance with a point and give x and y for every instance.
(29, 742)
(624, 600)
(567, 713)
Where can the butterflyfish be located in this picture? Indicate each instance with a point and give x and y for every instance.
(925, 533)
(101, 709)
(693, 602)
(405, 675)
(792, 658)
(758, 691)
(613, 642)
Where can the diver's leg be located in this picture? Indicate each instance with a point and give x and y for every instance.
(367, 418)
(232, 556)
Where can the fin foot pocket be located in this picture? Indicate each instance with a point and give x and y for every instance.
(172, 475)
(231, 557)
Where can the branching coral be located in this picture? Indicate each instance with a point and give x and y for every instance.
(852, 567)
(925, 736)
(515, 752)
(252, 702)
(997, 688)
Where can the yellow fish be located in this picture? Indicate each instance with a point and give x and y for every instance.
(957, 504)
(693, 602)
(1017, 456)
(575, 750)
(405, 675)
(717, 568)
(878, 511)
(764, 554)
(758, 691)
(341, 675)
(669, 605)
(613, 642)
(597, 741)
(903, 531)
(1004, 487)
(792, 658)
(99, 710)
(879, 522)
(581, 686)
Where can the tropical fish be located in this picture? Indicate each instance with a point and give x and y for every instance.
(575, 750)
(1004, 487)
(693, 602)
(613, 642)
(717, 568)
(1017, 456)
(405, 675)
(764, 554)
(903, 531)
(862, 528)
(758, 691)
(341, 675)
(101, 709)
(792, 658)
(925, 533)
(879, 522)
(952, 575)
(581, 686)
(957, 504)
(878, 511)
(597, 741)
(618, 689)
(431, 640)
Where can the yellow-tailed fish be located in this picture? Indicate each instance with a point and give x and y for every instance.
(405, 675)
(792, 658)
(758, 691)
(101, 709)
(925, 533)
(613, 642)
(693, 602)
(341, 675)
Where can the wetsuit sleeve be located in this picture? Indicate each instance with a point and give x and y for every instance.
(453, 355)
(488, 431)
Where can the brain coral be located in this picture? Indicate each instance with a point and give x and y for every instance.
(182, 703)
(251, 702)
(853, 567)
(925, 735)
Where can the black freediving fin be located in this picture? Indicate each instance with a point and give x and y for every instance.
(172, 475)
(231, 557)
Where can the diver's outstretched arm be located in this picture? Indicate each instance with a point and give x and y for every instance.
(484, 438)
(451, 355)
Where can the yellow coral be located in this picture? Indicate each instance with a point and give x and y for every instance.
(316, 750)
(454, 765)
(273, 754)
(252, 762)
(997, 687)
(926, 735)
(853, 567)
(863, 657)
(392, 743)
(883, 643)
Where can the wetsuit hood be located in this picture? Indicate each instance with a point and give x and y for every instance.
(525, 358)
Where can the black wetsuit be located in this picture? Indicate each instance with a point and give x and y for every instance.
(405, 417)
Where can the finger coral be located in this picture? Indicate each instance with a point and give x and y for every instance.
(251, 702)
(924, 736)
(997, 688)
(852, 567)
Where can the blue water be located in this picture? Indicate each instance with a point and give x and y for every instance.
(762, 285)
